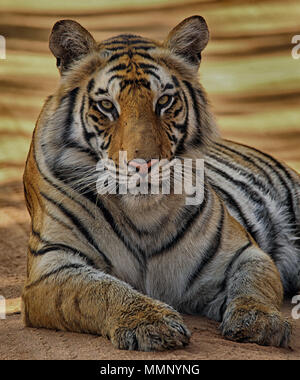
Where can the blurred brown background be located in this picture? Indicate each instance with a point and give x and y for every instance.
(247, 69)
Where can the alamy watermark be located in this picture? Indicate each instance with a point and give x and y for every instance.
(296, 309)
(2, 47)
(296, 49)
(140, 177)
(2, 308)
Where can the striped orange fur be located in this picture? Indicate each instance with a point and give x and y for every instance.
(125, 266)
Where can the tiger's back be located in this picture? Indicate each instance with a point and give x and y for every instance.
(263, 195)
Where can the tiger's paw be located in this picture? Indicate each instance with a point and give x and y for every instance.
(255, 323)
(161, 330)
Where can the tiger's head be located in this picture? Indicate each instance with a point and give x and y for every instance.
(133, 94)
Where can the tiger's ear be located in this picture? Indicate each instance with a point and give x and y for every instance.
(69, 41)
(188, 39)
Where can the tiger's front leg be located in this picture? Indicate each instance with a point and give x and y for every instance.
(253, 300)
(70, 295)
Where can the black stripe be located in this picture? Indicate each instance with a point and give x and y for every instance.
(197, 140)
(80, 227)
(130, 54)
(242, 186)
(56, 247)
(210, 252)
(120, 66)
(232, 261)
(283, 181)
(136, 82)
(241, 171)
(144, 55)
(116, 76)
(124, 43)
(144, 232)
(171, 137)
(91, 85)
(28, 198)
(142, 47)
(261, 212)
(128, 36)
(137, 252)
(100, 91)
(87, 135)
(92, 197)
(116, 42)
(201, 96)
(67, 128)
(177, 112)
(79, 148)
(94, 118)
(150, 72)
(185, 226)
(105, 145)
(180, 149)
(141, 41)
(116, 56)
(169, 86)
(129, 42)
(59, 221)
(58, 188)
(229, 200)
(147, 66)
(247, 159)
(72, 95)
(38, 236)
(223, 285)
(56, 271)
(115, 48)
(272, 159)
(286, 183)
(175, 81)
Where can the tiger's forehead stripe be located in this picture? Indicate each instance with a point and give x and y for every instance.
(128, 39)
(125, 44)
(128, 45)
(129, 62)
(139, 44)
(133, 69)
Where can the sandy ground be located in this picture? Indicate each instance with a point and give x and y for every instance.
(19, 342)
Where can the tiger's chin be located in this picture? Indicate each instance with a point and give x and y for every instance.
(142, 201)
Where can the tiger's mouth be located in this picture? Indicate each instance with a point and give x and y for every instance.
(138, 177)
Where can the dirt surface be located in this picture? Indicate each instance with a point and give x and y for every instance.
(19, 342)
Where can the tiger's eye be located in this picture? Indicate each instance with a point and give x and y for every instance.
(106, 105)
(163, 100)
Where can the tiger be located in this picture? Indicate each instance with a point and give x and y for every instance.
(129, 266)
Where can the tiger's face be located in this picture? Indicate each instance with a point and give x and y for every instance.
(136, 95)
(136, 105)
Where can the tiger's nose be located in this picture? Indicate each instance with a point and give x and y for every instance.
(143, 166)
